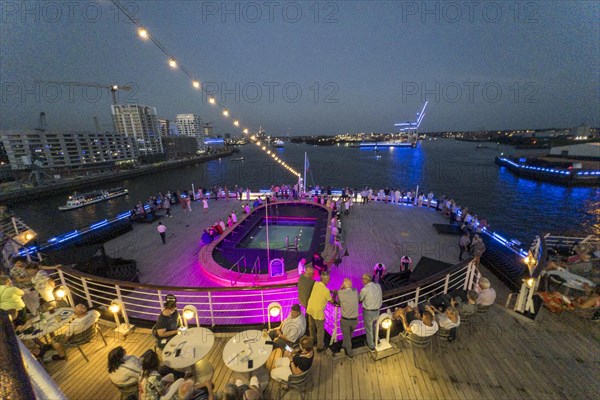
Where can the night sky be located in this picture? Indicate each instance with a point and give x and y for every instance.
(308, 68)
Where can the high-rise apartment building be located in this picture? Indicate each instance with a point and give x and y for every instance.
(56, 150)
(141, 123)
(191, 125)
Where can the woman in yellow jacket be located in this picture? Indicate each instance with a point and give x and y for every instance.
(11, 300)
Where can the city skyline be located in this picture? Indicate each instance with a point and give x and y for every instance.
(307, 68)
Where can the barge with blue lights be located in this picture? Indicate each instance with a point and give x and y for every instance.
(564, 173)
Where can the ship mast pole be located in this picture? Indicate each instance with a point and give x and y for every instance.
(304, 182)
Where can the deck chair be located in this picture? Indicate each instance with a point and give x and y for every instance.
(295, 382)
(86, 337)
(417, 342)
(446, 335)
(128, 390)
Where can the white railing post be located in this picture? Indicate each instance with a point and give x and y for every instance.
(160, 302)
(262, 302)
(86, 291)
(446, 283)
(417, 295)
(334, 330)
(210, 307)
(468, 277)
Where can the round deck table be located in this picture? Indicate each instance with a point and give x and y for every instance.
(48, 322)
(188, 348)
(245, 346)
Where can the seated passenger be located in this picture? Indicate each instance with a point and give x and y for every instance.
(486, 294)
(123, 369)
(421, 326)
(83, 320)
(448, 320)
(153, 386)
(294, 363)
(291, 329)
(468, 308)
(167, 323)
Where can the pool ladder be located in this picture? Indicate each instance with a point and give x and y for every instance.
(295, 246)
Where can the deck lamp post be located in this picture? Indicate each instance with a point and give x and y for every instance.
(383, 347)
(188, 313)
(63, 293)
(274, 310)
(117, 306)
(524, 304)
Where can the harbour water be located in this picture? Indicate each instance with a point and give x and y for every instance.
(517, 208)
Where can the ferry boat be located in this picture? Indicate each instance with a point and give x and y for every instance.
(77, 200)
(278, 143)
(386, 144)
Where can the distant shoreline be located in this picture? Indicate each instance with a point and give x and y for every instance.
(100, 179)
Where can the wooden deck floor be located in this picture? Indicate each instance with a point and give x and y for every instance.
(374, 233)
(503, 357)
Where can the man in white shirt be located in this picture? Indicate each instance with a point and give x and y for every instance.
(371, 298)
(422, 326)
(290, 330)
(486, 294)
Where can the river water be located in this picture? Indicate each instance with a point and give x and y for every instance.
(515, 207)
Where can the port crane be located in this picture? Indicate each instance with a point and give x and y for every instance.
(412, 127)
(112, 88)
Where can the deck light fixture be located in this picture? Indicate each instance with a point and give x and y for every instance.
(63, 293)
(25, 237)
(188, 313)
(274, 310)
(115, 307)
(383, 347)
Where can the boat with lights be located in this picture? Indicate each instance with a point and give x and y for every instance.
(556, 171)
(387, 144)
(78, 200)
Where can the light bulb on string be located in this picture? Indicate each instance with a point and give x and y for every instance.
(142, 33)
(225, 113)
(245, 131)
(196, 84)
(172, 63)
(236, 123)
(211, 100)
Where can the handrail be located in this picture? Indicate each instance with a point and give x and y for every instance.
(237, 264)
(14, 381)
(135, 285)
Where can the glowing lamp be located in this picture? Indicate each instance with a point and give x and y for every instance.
(172, 63)
(143, 33)
(530, 282)
(225, 113)
(211, 100)
(117, 307)
(190, 312)
(252, 137)
(25, 237)
(274, 310)
(530, 261)
(236, 123)
(60, 293)
(383, 347)
(196, 84)
(245, 131)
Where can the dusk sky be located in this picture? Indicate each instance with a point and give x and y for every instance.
(308, 68)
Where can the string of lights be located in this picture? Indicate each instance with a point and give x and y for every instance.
(144, 34)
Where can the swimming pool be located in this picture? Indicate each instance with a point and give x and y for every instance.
(281, 231)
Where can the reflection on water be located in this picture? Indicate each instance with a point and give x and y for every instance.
(516, 207)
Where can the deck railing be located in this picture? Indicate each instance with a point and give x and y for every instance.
(237, 306)
(461, 276)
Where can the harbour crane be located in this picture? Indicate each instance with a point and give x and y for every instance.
(113, 88)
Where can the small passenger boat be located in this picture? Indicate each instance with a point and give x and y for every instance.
(77, 200)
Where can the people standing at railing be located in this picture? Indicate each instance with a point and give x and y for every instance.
(11, 300)
(301, 266)
(478, 248)
(319, 298)
(305, 285)
(463, 243)
(371, 298)
(42, 282)
(167, 207)
(347, 299)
